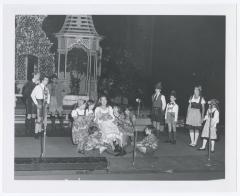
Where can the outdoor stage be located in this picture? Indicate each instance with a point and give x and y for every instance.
(169, 162)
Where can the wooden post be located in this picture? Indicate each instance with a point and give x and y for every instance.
(87, 79)
(59, 58)
(65, 68)
(90, 73)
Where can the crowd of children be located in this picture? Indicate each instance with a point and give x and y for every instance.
(104, 127)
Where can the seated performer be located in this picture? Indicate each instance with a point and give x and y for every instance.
(80, 126)
(150, 143)
(93, 141)
(105, 120)
(41, 98)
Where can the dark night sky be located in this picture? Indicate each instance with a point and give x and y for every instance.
(185, 49)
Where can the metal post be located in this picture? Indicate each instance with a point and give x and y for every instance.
(209, 137)
(135, 136)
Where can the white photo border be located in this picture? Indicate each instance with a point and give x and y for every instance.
(17, 186)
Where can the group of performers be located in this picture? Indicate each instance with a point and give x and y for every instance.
(41, 98)
(104, 127)
(162, 112)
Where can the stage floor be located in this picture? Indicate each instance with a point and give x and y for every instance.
(169, 162)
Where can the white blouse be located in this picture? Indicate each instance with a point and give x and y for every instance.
(172, 108)
(99, 111)
(196, 100)
(215, 119)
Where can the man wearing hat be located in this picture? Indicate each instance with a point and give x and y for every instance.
(158, 108)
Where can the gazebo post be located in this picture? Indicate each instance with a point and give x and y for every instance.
(90, 73)
(59, 56)
(65, 67)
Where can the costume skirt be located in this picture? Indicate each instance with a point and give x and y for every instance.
(157, 114)
(193, 120)
(205, 132)
(30, 106)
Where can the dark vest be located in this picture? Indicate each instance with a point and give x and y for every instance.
(157, 103)
(196, 105)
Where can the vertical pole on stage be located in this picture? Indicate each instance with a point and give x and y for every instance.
(43, 127)
(135, 135)
(209, 164)
(209, 137)
(59, 55)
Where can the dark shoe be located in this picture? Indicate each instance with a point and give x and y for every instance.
(122, 153)
(201, 149)
(212, 151)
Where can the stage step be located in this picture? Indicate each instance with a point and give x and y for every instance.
(61, 163)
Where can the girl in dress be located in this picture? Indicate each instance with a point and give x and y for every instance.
(79, 130)
(105, 120)
(195, 115)
(171, 117)
(158, 107)
(90, 113)
(94, 140)
(213, 113)
(150, 143)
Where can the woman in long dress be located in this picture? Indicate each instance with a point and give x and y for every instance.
(105, 119)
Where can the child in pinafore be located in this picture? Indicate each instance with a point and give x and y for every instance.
(195, 115)
(158, 108)
(149, 144)
(171, 117)
(80, 125)
(213, 113)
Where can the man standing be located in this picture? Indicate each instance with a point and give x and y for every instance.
(41, 98)
(57, 93)
(31, 110)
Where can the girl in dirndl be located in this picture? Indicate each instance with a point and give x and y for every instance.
(212, 119)
(158, 107)
(171, 117)
(195, 115)
(80, 125)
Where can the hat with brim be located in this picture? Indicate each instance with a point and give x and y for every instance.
(213, 102)
(173, 93)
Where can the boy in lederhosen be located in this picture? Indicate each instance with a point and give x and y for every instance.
(31, 110)
(158, 108)
(41, 98)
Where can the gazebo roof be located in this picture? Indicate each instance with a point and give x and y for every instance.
(78, 25)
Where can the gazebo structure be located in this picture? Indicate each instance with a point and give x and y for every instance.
(79, 54)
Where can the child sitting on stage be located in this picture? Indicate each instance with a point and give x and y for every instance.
(94, 140)
(149, 144)
(79, 130)
(171, 117)
(212, 119)
(89, 111)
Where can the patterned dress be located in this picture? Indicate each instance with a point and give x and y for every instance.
(105, 121)
(80, 127)
(150, 143)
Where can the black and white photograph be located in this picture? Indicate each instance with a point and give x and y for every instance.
(121, 97)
